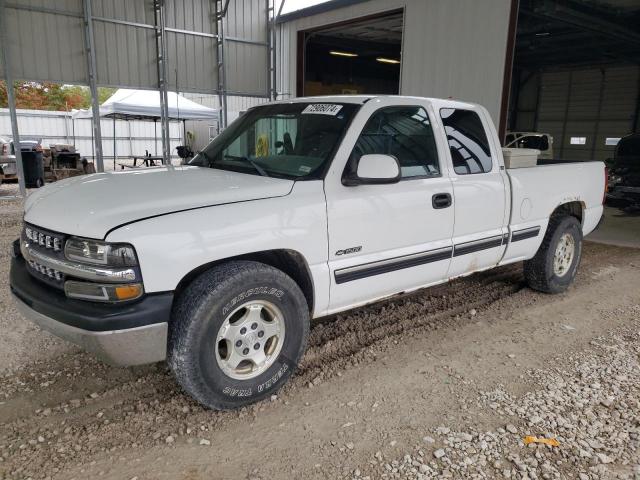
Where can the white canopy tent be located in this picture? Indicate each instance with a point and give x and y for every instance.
(128, 104)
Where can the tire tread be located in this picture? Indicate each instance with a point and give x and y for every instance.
(186, 308)
(536, 270)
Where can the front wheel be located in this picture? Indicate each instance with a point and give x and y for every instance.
(237, 333)
(556, 263)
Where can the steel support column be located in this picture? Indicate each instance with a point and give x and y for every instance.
(161, 45)
(91, 74)
(563, 139)
(636, 115)
(114, 144)
(508, 67)
(273, 46)
(596, 126)
(11, 99)
(221, 10)
(269, 15)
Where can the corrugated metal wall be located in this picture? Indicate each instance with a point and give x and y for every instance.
(594, 103)
(46, 41)
(132, 137)
(246, 59)
(125, 54)
(451, 48)
(45, 46)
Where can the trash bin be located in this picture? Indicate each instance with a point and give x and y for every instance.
(33, 169)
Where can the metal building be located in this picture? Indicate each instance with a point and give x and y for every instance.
(216, 47)
(586, 109)
(444, 48)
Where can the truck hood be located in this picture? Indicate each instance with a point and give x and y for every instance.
(91, 205)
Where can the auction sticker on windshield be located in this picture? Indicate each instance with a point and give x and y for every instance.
(323, 108)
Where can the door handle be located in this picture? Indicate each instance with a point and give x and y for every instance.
(441, 200)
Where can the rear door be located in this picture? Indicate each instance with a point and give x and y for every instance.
(385, 239)
(481, 205)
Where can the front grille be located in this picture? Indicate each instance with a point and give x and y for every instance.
(48, 243)
(47, 274)
(44, 240)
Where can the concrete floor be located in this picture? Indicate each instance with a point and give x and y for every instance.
(618, 228)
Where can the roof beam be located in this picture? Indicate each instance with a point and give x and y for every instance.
(585, 21)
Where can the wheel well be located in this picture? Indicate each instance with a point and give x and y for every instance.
(574, 209)
(289, 261)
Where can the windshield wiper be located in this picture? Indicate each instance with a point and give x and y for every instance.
(257, 167)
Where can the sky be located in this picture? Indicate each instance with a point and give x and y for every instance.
(291, 5)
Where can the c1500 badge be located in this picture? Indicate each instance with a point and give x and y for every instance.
(348, 251)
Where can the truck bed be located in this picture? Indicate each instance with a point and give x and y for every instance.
(536, 191)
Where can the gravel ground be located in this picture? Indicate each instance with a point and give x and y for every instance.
(591, 408)
(444, 382)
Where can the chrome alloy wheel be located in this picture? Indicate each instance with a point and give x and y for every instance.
(565, 250)
(250, 339)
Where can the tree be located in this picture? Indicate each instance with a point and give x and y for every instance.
(52, 96)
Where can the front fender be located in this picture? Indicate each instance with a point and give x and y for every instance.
(170, 246)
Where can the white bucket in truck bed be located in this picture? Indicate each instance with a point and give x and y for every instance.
(520, 157)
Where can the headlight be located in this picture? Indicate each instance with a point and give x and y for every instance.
(96, 292)
(95, 252)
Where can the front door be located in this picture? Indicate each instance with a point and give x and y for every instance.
(385, 239)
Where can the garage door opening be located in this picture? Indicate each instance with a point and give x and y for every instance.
(576, 77)
(359, 57)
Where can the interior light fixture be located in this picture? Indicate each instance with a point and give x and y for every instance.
(387, 60)
(342, 54)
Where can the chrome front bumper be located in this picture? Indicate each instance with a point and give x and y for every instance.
(128, 347)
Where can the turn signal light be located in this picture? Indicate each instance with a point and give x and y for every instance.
(96, 292)
(128, 292)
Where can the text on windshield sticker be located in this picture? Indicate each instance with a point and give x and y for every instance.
(323, 109)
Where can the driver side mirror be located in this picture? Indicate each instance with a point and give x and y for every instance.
(374, 169)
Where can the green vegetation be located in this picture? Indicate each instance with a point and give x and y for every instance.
(52, 96)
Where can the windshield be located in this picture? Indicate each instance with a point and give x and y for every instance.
(293, 141)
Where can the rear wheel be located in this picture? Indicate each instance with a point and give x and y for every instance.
(238, 332)
(556, 263)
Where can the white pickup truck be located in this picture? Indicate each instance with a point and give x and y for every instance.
(300, 209)
(543, 142)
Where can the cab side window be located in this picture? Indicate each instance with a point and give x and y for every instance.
(468, 141)
(403, 132)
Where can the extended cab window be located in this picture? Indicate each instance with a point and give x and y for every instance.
(467, 141)
(405, 133)
(288, 140)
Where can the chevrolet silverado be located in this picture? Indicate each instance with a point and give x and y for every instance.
(300, 209)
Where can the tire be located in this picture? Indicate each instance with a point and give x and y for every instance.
(197, 359)
(540, 272)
